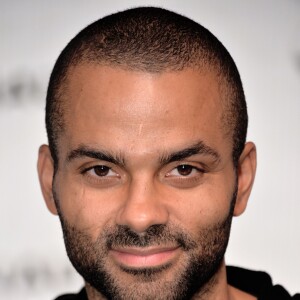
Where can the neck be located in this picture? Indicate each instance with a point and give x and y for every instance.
(92, 293)
(216, 288)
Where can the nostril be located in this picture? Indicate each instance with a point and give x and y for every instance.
(141, 216)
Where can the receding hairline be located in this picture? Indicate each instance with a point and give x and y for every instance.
(152, 40)
(223, 86)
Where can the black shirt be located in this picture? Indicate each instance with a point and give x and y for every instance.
(256, 283)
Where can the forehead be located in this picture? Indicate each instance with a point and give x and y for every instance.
(114, 106)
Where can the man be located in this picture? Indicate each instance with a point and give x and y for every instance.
(147, 161)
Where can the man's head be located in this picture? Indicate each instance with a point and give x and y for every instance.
(150, 40)
(147, 121)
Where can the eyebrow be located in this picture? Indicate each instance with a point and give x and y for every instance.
(84, 151)
(198, 148)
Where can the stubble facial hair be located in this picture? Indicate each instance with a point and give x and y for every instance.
(194, 274)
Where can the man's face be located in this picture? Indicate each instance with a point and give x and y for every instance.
(145, 185)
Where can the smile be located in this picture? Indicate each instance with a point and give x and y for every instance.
(144, 257)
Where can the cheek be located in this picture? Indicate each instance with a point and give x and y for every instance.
(86, 208)
(202, 206)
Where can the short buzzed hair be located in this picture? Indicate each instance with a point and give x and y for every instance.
(152, 40)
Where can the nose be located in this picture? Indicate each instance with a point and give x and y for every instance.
(143, 207)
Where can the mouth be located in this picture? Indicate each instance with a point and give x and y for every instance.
(140, 258)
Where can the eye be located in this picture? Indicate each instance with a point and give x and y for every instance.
(185, 176)
(101, 176)
(184, 170)
(101, 171)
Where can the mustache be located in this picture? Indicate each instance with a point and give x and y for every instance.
(155, 235)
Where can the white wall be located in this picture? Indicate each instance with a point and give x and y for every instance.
(262, 36)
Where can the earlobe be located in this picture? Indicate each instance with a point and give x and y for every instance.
(45, 171)
(246, 174)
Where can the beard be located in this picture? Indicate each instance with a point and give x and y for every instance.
(193, 274)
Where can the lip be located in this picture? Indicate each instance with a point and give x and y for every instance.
(149, 257)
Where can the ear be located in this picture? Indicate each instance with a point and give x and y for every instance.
(246, 175)
(45, 168)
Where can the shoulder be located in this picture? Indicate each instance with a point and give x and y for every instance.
(80, 296)
(257, 283)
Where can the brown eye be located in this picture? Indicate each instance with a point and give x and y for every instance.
(101, 170)
(185, 170)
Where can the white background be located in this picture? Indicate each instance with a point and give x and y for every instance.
(262, 36)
